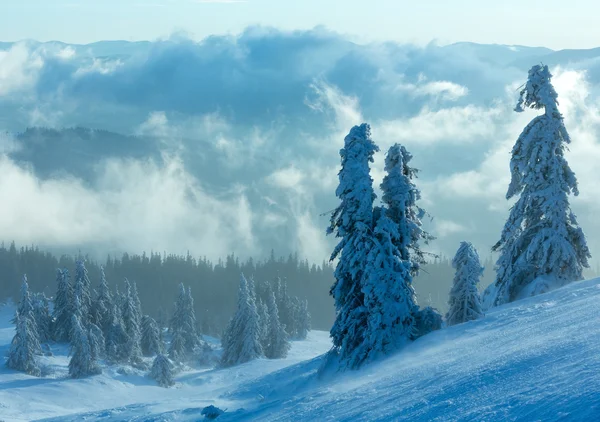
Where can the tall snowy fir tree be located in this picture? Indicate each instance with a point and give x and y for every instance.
(400, 195)
(263, 318)
(41, 314)
(24, 347)
(542, 245)
(63, 306)
(97, 342)
(117, 340)
(185, 337)
(241, 340)
(351, 223)
(162, 371)
(82, 363)
(464, 303)
(151, 339)
(131, 323)
(389, 297)
(276, 338)
(303, 321)
(83, 290)
(102, 305)
(25, 308)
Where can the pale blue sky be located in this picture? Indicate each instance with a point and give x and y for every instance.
(551, 23)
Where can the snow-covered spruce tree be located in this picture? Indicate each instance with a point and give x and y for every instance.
(303, 321)
(388, 293)
(131, 324)
(116, 338)
(278, 344)
(464, 303)
(162, 371)
(263, 318)
(83, 291)
(24, 347)
(41, 315)
(82, 363)
(25, 308)
(241, 340)
(185, 337)
(400, 195)
(351, 223)
(103, 305)
(542, 245)
(151, 342)
(192, 339)
(63, 306)
(97, 342)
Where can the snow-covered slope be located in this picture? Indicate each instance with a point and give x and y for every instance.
(534, 360)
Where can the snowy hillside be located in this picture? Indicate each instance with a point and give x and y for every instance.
(535, 359)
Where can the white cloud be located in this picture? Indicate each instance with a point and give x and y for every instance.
(134, 206)
(442, 90)
(19, 69)
(444, 228)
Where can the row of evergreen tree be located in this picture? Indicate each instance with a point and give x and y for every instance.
(162, 273)
(101, 324)
(541, 247)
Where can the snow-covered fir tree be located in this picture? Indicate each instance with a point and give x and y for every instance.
(131, 324)
(97, 342)
(162, 371)
(24, 346)
(183, 324)
(303, 321)
(82, 363)
(63, 306)
(82, 288)
(278, 344)
(351, 223)
(263, 318)
(400, 195)
(41, 315)
(116, 339)
(25, 308)
(241, 340)
(541, 245)
(151, 339)
(103, 305)
(464, 303)
(390, 299)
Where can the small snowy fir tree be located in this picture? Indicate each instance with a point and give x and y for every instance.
(131, 324)
(389, 296)
(303, 321)
(102, 306)
(24, 347)
(41, 314)
(63, 306)
(464, 303)
(263, 317)
(82, 363)
(116, 338)
(541, 242)
(83, 290)
(184, 334)
(351, 223)
(162, 371)
(400, 195)
(97, 342)
(277, 339)
(151, 342)
(241, 340)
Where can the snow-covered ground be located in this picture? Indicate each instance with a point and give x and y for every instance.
(534, 360)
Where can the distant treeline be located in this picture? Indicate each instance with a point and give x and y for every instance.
(214, 285)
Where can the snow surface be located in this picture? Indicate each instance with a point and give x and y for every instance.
(537, 359)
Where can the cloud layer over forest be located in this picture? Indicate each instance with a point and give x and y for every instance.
(238, 138)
